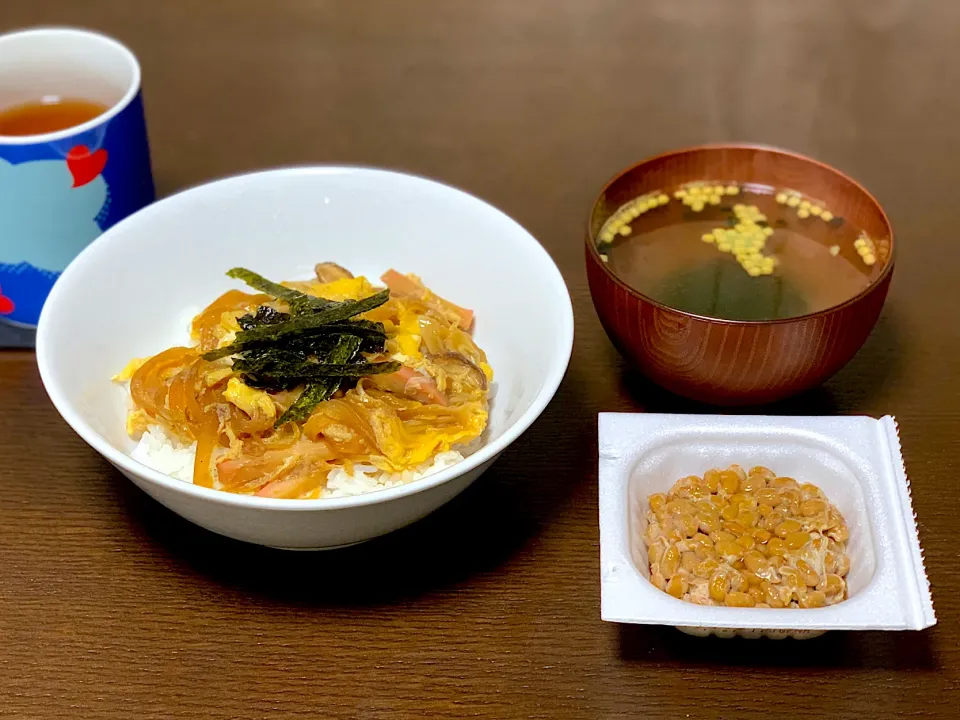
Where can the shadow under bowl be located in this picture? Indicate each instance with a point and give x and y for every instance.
(734, 362)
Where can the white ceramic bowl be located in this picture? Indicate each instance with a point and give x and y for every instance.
(132, 292)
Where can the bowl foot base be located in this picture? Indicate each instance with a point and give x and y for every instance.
(317, 549)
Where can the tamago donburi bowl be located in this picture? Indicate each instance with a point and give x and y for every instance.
(133, 292)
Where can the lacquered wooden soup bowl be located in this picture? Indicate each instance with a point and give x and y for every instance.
(728, 362)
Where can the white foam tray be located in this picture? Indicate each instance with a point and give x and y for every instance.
(856, 461)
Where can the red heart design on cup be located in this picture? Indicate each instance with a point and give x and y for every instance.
(84, 165)
(6, 304)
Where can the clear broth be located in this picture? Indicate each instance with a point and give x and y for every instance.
(665, 259)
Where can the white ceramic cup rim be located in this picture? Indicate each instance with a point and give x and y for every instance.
(131, 92)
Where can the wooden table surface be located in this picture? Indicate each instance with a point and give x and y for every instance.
(112, 607)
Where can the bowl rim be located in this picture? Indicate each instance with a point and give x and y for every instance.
(877, 282)
(132, 90)
(485, 454)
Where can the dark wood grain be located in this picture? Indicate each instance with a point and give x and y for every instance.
(111, 607)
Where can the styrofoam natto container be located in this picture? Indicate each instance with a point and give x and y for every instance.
(133, 291)
(857, 463)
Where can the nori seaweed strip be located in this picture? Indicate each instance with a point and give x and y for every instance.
(255, 362)
(240, 346)
(358, 327)
(372, 335)
(311, 370)
(320, 344)
(308, 322)
(364, 329)
(321, 339)
(298, 301)
(265, 315)
(317, 341)
(313, 394)
(316, 392)
(271, 384)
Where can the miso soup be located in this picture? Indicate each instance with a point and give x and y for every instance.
(739, 253)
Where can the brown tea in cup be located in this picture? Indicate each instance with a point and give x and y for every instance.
(48, 114)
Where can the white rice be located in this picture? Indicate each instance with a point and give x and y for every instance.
(166, 454)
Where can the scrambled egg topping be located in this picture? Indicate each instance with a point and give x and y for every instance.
(404, 338)
(252, 402)
(403, 444)
(137, 422)
(137, 419)
(129, 369)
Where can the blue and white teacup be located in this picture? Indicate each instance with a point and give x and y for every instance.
(59, 191)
